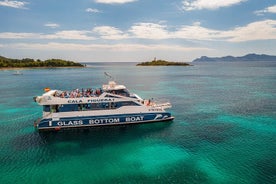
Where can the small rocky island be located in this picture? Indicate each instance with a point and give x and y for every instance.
(31, 63)
(162, 63)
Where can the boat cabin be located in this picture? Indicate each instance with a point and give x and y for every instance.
(116, 89)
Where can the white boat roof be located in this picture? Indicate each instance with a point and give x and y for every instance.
(112, 85)
(49, 93)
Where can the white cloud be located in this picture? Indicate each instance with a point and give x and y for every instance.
(250, 32)
(114, 1)
(271, 9)
(197, 32)
(189, 5)
(14, 4)
(70, 35)
(101, 47)
(92, 10)
(153, 31)
(108, 32)
(10, 35)
(149, 31)
(51, 25)
(261, 30)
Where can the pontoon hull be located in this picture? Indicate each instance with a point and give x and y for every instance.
(103, 120)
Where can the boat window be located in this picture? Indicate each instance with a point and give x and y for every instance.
(46, 108)
(95, 106)
(111, 96)
(87, 106)
(55, 108)
(127, 103)
(68, 107)
(122, 92)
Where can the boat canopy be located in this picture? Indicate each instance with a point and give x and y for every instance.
(114, 88)
(112, 85)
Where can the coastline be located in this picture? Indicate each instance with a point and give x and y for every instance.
(22, 68)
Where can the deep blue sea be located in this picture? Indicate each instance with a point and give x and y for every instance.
(224, 130)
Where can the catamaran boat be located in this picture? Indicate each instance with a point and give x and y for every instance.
(110, 105)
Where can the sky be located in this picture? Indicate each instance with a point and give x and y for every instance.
(136, 30)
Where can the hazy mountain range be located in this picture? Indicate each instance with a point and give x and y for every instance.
(248, 57)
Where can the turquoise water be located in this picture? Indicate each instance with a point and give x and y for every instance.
(224, 129)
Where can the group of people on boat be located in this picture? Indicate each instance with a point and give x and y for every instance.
(76, 93)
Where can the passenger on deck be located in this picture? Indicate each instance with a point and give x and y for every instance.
(76, 93)
(98, 92)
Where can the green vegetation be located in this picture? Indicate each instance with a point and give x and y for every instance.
(162, 63)
(27, 62)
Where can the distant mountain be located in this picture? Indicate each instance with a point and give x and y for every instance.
(248, 57)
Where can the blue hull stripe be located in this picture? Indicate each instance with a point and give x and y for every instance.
(87, 121)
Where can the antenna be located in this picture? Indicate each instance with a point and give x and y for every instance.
(108, 75)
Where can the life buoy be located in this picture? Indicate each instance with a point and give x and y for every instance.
(47, 89)
(57, 128)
